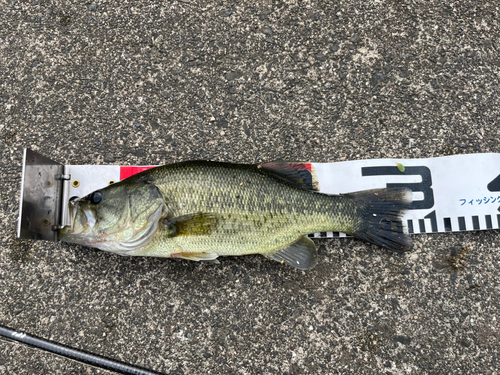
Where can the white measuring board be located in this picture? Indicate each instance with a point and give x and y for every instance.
(451, 193)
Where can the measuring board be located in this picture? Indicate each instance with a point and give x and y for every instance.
(450, 194)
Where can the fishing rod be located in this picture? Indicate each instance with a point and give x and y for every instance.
(75, 354)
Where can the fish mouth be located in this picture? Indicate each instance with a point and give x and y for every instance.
(91, 219)
(88, 214)
(73, 209)
(79, 225)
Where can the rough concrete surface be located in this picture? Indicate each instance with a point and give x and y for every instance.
(155, 82)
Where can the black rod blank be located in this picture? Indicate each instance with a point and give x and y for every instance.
(77, 355)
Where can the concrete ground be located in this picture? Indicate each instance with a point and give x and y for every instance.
(155, 82)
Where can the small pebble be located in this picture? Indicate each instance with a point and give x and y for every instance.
(267, 31)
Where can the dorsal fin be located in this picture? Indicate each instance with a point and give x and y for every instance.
(298, 174)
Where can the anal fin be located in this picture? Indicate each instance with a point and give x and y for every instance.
(209, 256)
(301, 254)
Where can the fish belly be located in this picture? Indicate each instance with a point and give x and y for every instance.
(232, 238)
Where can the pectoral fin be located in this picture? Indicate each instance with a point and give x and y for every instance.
(192, 224)
(209, 256)
(301, 254)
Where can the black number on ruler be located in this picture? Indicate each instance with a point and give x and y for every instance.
(434, 224)
(421, 223)
(424, 186)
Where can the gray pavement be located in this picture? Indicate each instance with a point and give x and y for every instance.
(124, 82)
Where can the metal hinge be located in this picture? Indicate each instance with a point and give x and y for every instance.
(64, 177)
(66, 185)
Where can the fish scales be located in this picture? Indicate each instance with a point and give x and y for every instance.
(259, 213)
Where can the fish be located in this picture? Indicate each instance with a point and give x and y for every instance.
(202, 210)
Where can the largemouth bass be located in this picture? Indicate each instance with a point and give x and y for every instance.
(201, 210)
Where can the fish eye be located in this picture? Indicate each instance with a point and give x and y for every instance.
(96, 197)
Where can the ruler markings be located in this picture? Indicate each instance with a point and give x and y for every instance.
(461, 223)
(447, 224)
(475, 222)
(327, 235)
(482, 222)
(421, 225)
(410, 226)
(433, 221)
(489, 225)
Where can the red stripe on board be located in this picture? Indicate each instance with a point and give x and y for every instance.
(126, 172)
(302, 166)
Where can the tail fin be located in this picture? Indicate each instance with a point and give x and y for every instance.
(380, 212)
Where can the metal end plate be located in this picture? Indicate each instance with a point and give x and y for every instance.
(41, 191)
